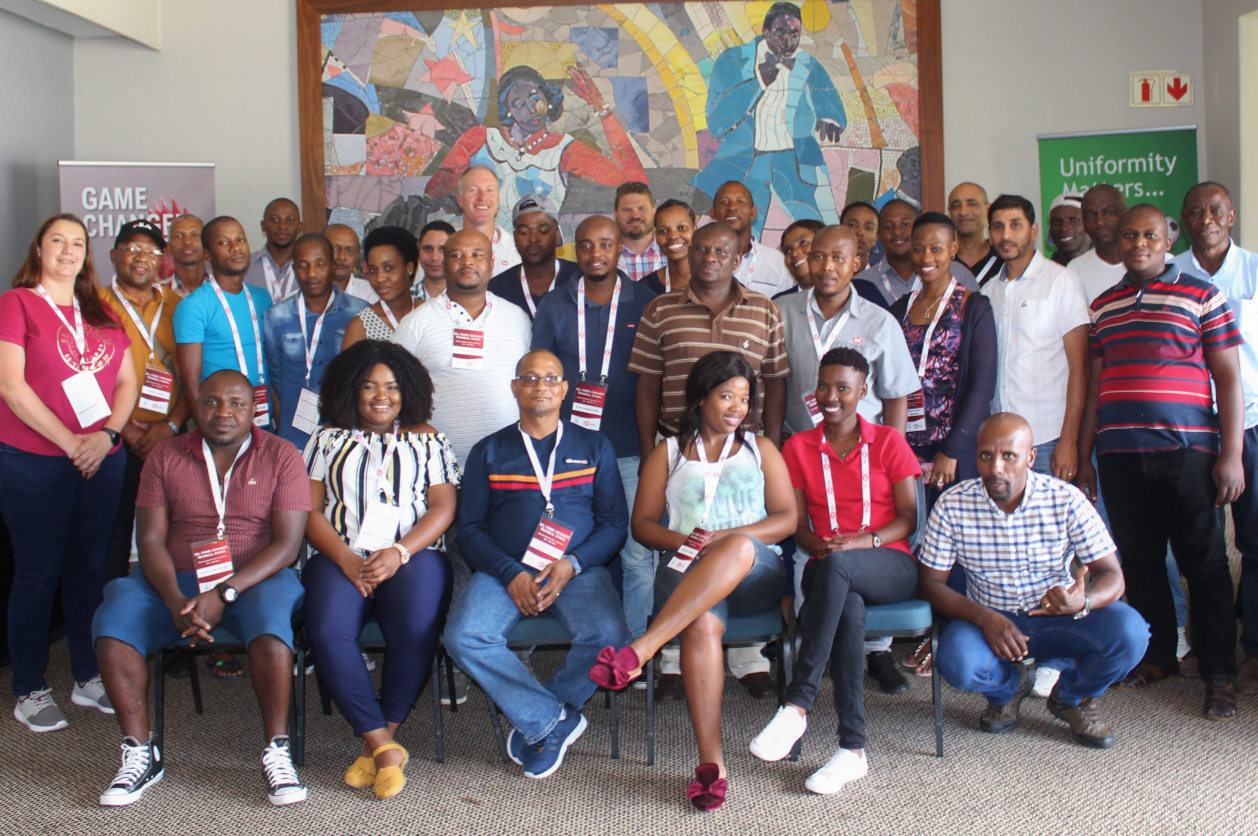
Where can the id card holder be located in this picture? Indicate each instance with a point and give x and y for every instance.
(469, 349)
(550, 542)
(917, 413)
(213, 560)
(814, 409)
(378, 529)
(690, 550)
(156, 389)
(587, 405)
(86, 398)
(306, 418)
(262, 416)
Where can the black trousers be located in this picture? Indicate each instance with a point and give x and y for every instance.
(836, 590)
(118, 555)
(1156, 497)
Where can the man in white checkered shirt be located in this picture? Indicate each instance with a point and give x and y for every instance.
(1015, 532)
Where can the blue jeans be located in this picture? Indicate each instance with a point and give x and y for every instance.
(60, 524)
(636, 560)
(483, 615)
(1100, 650)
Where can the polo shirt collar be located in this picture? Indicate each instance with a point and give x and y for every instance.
(192, 441)
(1169, 276)
(856, 305)
(1033, 268)
(817, 438)
(740, 294)
(1229, 259)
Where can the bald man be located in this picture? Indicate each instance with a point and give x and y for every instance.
(271, 267)
(539, 536)
(1169, 458)
(605, 307)
(967, 206)
(894, 276)
(760, 268)
(1016, 533)
(347, 253)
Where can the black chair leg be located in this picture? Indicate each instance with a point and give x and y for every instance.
(436, 705)
(615, 728)
(936, 690)
(650, 712)
(299, 707)
(454, 703)
(195, 680)
(493, 718)
(781, 670)
(159, 701)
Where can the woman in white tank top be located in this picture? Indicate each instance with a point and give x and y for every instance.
(728, 494)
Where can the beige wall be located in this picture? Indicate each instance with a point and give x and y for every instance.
(1220, 90)
(222, 90)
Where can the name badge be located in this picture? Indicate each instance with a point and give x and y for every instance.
(587, 405)
(306, 418)
(378, 528)
(156, 389)
(469, 349)
(261, 417)
(86, 399)
(550, 542)
(917, 413)
(690, 549)
(814, 409)
(213, 560)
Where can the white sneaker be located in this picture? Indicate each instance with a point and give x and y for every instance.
(369, 662)
(777, 739)
(846, 766)
(283, 785)
(91, 694)
(39, 712)
(1181, 650)
(1045, 679)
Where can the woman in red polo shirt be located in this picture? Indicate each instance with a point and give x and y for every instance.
(855, 485)
(68, 387)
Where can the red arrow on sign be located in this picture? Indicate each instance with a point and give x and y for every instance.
(1177, 88)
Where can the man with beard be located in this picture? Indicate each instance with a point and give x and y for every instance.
(1065, 228)
(1016, 533)
(271, 268)
(635, 218)
(1101, 267)
(536, 221)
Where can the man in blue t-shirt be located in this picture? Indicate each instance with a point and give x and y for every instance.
(542, 513)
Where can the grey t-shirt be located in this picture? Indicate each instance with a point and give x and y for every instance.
(870, 330)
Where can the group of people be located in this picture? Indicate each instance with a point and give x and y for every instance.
(681, 425)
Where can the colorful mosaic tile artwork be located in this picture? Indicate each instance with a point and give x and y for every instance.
(812, 104)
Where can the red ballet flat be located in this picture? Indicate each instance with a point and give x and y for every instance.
(707, 793)
(615, 669)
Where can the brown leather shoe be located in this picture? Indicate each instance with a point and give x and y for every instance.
(1085, 721)
(668, 688)
(1247, 678)
(1220, 701)
(760, 685)
(998, 719)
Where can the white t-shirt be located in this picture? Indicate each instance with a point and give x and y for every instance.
(468, 405)
(360, 288)
(1096, 274)
(505, 254)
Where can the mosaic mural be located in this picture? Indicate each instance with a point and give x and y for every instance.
(811, 104)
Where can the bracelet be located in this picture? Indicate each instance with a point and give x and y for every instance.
(173, 426)
(603, 111)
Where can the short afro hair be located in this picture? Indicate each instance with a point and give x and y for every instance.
(345, 375)
(402, 240)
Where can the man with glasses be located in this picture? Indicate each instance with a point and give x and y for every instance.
(542, 512)
(147, 313)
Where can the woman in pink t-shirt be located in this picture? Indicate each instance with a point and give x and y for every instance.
(855, 487)
(68, 386)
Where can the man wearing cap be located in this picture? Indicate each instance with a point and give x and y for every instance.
(146, 312)
(1065, 228)
(347, 253)
(271, 268)
(536, 221)
(186, 252)
(302, 334)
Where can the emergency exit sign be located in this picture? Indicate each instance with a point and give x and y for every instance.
(1160, 88)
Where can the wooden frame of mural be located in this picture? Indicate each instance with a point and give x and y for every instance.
(928, 109)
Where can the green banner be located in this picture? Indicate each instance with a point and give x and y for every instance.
(1154, 165)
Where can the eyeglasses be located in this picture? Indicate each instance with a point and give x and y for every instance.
(531, 380)
(136, 249)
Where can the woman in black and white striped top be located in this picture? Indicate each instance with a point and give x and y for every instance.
(385, 482)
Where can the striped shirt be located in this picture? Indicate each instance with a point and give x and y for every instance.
(1012, 560)
(638, 265)
(1155, 384)
(676, 330)
(419, 461)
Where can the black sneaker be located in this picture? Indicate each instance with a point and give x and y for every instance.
(141, 768)
(883, 669)
(283, 785)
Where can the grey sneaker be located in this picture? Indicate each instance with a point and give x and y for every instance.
(39, 713)
(91, 694)
(1084, 719)
(998, 719)
(461, 683)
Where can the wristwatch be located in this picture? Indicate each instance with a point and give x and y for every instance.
(114, 436)
(227, 594)
(404, 552)
(576, 564)
(1087, 608)
(877, 539)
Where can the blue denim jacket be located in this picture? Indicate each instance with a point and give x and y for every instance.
(286, 353)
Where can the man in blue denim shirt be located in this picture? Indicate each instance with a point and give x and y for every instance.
(297, 351)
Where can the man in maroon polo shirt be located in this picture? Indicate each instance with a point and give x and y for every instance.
(220, 516)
